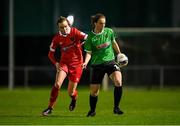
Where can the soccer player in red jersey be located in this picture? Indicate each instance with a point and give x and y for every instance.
(69, 40)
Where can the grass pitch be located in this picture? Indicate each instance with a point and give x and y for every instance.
(140, 106)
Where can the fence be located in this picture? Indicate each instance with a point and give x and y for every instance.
(148, 76)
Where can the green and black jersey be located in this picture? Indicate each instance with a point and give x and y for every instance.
(100, 46)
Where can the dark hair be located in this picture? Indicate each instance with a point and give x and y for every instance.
(61, 19)
(95, 18)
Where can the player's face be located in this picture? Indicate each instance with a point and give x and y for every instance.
(64, 27)
(99, 26)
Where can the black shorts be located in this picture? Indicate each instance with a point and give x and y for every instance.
(98, 71)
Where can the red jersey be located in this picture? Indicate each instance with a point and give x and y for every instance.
(70, 46)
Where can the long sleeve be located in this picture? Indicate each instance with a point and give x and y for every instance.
(52, 57)
(52, 50)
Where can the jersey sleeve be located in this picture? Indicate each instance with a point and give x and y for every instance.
(53, 45)
(88, 45)
(52, 49)
(112, 35)
(81, 35)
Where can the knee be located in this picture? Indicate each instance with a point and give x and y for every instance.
(117, 78)
(70, 92)
(57, 86)
(94, 93)
(118, 82)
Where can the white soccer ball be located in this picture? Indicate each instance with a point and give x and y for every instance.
(122, 59)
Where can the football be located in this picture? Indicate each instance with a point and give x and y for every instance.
(122, 59)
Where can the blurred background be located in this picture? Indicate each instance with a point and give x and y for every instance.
(148, 32)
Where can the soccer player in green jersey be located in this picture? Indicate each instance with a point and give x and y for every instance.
(101, 47)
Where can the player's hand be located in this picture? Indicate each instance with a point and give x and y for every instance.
(84, 65)
(122, 59)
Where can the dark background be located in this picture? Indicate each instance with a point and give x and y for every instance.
(35, 25)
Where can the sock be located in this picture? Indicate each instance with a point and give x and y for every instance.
(74, 96)
(117, 96)
(93, 102)
(53, 96)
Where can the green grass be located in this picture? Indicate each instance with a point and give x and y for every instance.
(141, 107)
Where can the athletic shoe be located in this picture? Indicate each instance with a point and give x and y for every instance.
(72, 105)
(47, 111)
(91, 113)
(117, 111)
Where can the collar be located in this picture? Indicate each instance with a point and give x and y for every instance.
(98, 33)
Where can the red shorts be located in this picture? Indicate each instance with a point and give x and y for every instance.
(74, 72)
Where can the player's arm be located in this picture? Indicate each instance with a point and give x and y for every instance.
(87, 59)
(81, 36)
(122, 59)
(88, 50)
(53, 59)
(116, 47)
(52, 49)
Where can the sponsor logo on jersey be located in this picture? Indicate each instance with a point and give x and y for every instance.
(104, 45)
(72, 38)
